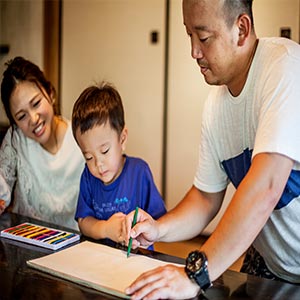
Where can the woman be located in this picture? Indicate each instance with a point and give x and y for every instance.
(40, 162)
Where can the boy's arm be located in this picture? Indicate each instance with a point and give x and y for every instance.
(113, 228)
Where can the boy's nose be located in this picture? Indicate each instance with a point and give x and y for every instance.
(99, 164)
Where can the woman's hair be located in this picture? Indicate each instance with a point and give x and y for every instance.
(234, 8)
(97, 105)
(20, 70)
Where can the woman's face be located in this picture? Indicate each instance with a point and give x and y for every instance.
(32, 111)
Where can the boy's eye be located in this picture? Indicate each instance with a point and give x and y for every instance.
(87, 158)
(105, 151)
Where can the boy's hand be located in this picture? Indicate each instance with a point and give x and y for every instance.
(115, 228)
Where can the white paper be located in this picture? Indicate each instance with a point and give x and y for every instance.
(98, 266)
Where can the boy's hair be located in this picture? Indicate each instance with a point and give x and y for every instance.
(95, 106)
(20, 70)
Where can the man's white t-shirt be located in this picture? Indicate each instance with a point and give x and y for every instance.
(265, 117)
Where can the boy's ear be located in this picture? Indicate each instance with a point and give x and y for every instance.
(123, 138)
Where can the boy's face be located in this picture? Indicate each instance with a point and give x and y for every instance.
(103, 149)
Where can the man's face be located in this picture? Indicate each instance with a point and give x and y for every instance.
(214, 45)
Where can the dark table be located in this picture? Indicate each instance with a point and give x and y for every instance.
(18, 281)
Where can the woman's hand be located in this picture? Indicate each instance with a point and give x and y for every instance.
(2, 206)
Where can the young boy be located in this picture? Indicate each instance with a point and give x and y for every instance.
(112, 183)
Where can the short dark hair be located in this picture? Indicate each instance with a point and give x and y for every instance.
(19, 70)
(96, 105)
(234, 8)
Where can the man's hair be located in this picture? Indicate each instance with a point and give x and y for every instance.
(234, 8)
(97, 105)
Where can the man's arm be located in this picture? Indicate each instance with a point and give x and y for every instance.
(248, 211)
(183, 222)
(190, 216)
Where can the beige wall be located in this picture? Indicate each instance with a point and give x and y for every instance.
(21, 27)
(271, 15)
(110, 40)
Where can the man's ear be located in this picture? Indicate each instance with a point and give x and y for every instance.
(245, 27)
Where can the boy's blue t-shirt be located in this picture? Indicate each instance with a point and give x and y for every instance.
(134, 187)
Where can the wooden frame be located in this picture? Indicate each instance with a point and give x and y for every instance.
(52, 45)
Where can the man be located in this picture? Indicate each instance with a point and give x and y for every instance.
(250, 136)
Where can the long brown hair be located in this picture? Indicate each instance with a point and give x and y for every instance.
(20, 70)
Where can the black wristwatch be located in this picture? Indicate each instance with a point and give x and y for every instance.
(196, 269)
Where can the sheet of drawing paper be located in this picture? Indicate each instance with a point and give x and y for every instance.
(98, 266)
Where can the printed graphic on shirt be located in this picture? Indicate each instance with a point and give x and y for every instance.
(104, 210)
(237, 167)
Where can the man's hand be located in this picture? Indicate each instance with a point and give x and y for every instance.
(168, 282)
(144, 233)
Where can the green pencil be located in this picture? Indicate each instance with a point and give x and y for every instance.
(133, 223)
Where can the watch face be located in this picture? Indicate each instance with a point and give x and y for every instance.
(196, 269)
(194, 262)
